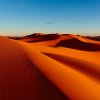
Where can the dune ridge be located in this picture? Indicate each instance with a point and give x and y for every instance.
(49, 67)
(20, 79)
(67, 40)
(78, 64)
(90, 90)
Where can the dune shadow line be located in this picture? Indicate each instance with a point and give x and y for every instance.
(77, 64)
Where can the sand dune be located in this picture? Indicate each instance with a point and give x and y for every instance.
(49, 67)
(70, 41)
(37, 37)
(77, 44)
(78, 64)
(65, 77)
(20, 79)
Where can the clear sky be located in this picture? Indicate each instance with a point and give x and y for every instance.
(20, 17)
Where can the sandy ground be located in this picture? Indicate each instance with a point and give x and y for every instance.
(42, 71)
(20, 79)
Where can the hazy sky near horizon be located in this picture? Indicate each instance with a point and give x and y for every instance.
(20, 17)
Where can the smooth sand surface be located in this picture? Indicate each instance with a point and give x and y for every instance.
(20, 79)
(44, 71)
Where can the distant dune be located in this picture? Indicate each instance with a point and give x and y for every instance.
(96, 38)
(77, 44)
(49, 67)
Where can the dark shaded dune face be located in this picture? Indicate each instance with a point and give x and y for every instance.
(52, 36)
(97, 38)
(34, 35)
(19, 77)
(42, 37)
(38, 39)
(16, 38)
(77, 44)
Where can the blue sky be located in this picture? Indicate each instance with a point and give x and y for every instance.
(21, 17)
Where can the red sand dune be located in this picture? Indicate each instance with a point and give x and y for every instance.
(44, 71)
(77, 44)
(70, 41)
(37, 37)
(19, 77)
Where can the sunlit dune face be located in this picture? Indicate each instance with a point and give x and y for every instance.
(77, 44)
(49, 67)
(72, 82)
(20, 79)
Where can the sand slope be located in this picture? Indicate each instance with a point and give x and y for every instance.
(20, 79)
(72, 82)
(44, 70)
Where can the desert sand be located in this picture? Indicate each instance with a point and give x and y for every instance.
(49, 67)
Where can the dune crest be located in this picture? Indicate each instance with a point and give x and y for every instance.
(20, 79)
(59, 71)
(49, 67)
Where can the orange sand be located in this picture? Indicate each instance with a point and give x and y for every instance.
(43, 71)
